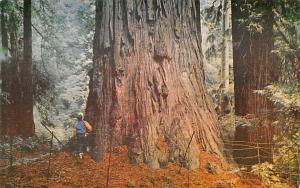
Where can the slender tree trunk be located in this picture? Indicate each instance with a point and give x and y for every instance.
(226, 60)
(228, 48)
(26, 107)
(147, 82)
(254, 65)
(223, 58)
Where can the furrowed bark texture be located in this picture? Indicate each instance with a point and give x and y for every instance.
(254, 65)
(147, 83)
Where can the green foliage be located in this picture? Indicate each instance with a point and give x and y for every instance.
(286, 97)
(290, 88)
(285, 13)
(287, 157)
(269, 175)
(46, 24)
(43, 93)
(267, 172)
(255, 14)
(87, 16)
(12, 16)
(287, 152)
(49, 21)
(290, 10)
(286, 46)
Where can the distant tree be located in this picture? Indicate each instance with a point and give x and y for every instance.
(254, 64)
(266, 48)
(10, 70)
(17, 109)
(4, 65)
(26, 106)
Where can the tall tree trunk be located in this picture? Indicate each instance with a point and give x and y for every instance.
(254, 65)
(4, 67)
(26, 107)
(15, 74)
(147, 83)
(223, 58)
(228, 70)
(226, 76)
(13, 123)
(254, 69)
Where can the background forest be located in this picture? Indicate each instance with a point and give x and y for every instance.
(170, 80)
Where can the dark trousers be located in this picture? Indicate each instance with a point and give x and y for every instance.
(81, 143)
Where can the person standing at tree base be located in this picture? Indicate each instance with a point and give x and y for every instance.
(82, 130)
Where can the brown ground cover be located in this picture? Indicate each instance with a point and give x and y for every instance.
(68, 171)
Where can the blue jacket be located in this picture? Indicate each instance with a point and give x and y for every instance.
(80, 127)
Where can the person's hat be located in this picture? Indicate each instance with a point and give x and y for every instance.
(80, 115)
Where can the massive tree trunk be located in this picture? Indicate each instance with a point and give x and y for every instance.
(147, 83)
(254, 65)
(26, 106)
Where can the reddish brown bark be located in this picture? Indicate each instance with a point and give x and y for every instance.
(254, 64)
(147, 83)
(254, 69)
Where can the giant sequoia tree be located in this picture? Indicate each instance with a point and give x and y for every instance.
(254, 65)
(147, 82)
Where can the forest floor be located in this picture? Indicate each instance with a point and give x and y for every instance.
(69, 171)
